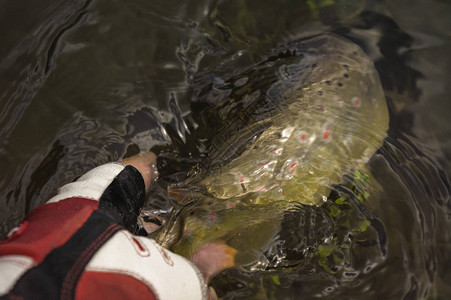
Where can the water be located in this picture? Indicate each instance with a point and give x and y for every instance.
(83, 83)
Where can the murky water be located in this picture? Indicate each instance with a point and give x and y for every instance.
(85, 82)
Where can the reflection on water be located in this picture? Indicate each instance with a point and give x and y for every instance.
(87, 82)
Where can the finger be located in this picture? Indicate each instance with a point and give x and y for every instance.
(213, 258)
(145, 163)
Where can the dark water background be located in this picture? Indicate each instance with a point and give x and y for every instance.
(83, 82)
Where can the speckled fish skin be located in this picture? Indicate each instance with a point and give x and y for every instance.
(327, 117)
(336, 121)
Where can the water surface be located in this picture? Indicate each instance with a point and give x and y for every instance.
(85, 82)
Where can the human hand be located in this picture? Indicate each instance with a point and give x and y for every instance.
(145, 163)
(213, 258)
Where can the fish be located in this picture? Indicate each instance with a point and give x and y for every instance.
(291, 127)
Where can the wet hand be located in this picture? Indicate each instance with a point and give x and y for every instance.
(145, 163)
(213, 258)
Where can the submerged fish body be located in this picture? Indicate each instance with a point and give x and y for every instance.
(322, 115)
(334, 117)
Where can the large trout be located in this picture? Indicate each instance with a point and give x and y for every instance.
(294, 125)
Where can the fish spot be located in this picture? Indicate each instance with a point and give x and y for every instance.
(346, 67)
(328, 82)
(364, 86)
(241, 179)
(339, 84)
(266, 165)
(262, 164)
(230, 205)
(375, 102)
(356, 102)
(290, 168)
(346, 75)
(338, 101)
(275, 151)
(302, 136)
(326, 134)
(261, 189)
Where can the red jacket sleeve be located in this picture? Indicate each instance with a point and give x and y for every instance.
(79, 245)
